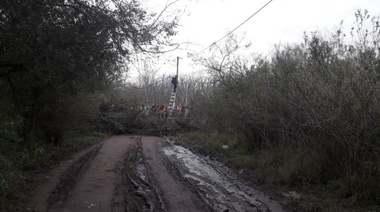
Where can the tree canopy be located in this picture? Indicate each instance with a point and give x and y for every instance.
(50, 50)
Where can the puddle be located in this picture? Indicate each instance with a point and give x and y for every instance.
(217, 184)
(141, 171)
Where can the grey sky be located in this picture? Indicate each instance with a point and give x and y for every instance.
(206, 21)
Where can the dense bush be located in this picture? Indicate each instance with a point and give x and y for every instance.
(318, 99)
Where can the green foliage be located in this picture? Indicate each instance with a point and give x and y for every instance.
(70, 145)
(56, 59)
(9, 125)
(314, 105)
(10, 179)
(51, 52)
(11, 189)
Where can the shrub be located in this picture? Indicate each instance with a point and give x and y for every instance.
(319, 98)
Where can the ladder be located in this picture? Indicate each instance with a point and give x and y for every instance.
(171, 103)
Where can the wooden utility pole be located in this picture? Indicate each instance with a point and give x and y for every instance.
(177, 66)
(173, 96)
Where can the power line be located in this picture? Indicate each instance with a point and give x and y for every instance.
(236, 27)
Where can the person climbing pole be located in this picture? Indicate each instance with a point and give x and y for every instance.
(174, 82)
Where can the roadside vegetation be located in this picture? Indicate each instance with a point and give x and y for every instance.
(307, 117)
(60, 66)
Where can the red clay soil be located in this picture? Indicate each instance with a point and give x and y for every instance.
(124, 173)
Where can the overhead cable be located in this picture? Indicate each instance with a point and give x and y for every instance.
(236, 27)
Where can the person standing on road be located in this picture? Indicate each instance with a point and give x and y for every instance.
(174, 82)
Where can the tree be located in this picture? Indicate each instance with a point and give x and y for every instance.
(51, 50)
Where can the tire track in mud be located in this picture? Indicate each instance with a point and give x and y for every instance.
(134, 191)
(69, 179)
(176, 171)
(176, 193)
(145, 174)
(217, 185)
(96, 187)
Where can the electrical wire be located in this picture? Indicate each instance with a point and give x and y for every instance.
(236, 27)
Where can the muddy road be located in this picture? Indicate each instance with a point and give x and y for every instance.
(141, 173)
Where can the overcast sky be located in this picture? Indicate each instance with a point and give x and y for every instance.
(206, 21)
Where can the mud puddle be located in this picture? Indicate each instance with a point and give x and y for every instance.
(217, 185)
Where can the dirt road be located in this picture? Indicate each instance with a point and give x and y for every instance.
(142, 173)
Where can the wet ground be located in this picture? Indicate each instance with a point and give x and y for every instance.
(142, 173)
(217, 185)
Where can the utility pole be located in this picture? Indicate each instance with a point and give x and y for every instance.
(173, 96)
(177, 66)
(187, 91)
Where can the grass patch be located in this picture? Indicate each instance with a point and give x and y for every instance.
(75, 144)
